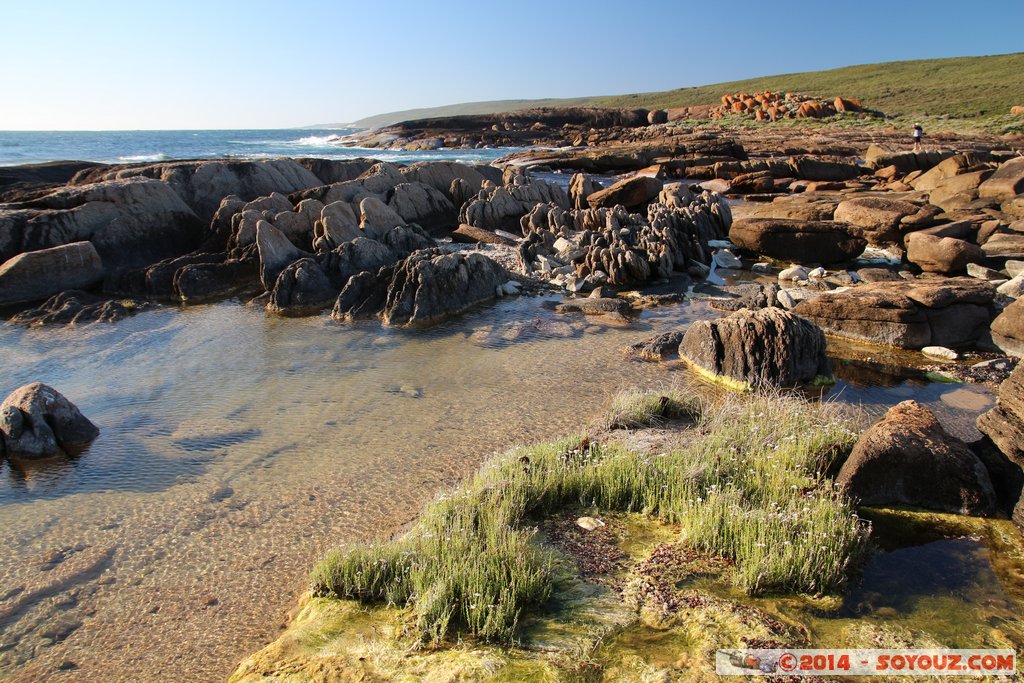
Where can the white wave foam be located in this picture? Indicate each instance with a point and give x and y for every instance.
(317, 140)
(159, 156)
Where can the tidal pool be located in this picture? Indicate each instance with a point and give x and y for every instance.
(237, 447)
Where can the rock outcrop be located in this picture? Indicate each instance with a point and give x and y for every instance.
(78, 308)
(429, 285)
(503, 207)
(37, 421)
(1004, 426)
(911, 315)
(796, 240)
(907, 458)
(881, 220)
(767, 347)
(1006, 183)
(37, 275)
(131, 223)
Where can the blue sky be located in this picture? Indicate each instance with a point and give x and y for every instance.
(227, 64)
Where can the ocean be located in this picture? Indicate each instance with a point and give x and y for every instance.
(33, 147)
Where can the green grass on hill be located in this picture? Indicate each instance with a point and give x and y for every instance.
(957, 87)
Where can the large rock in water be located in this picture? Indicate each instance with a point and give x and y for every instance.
(1008, 329)
(911, 315)
(907, 458)
(431, 284)
(132, 223)
(37, 275)
(37, 421)
(768, 347)
(800, 241)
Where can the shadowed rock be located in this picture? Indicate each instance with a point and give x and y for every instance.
(36, 275)
(907, 458)
(799, 241)
(37, 421)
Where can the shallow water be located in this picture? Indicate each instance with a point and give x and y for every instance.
(237, 447)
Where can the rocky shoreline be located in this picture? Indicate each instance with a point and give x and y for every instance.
(846, 236)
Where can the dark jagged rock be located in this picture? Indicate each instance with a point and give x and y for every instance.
(907, 458)
(37, 421)
(431, 284)
(951, 312)
(364, 295)
(768, 347)
(502, 208)
(424, 205)
(798, 241)
(78, 308)
(302, 289)
(659, 347)
(276, 253)
(155, 281)
(200, 282)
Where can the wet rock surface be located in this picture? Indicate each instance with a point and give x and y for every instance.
(768, 347)
(37, 421)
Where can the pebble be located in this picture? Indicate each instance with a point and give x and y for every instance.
(1014, 268)
(785, 299)
(980, 272)
(940, 352)
(1012, 288)
(794, 273)
(817, 273)
(762, 267)
(589, 523)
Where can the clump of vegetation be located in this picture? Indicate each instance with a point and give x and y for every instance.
(637, 408)
(751, 489)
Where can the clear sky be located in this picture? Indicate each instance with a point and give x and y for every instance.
(146, 64)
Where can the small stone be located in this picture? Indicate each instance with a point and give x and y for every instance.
(786, 299)
(562, 245)
(1014, 268)
(727, 260)
(940, 352)
(575, 284)
(589, 523)
(210, 601)
(1013, 288)
(817, 273)
(993, 364)
(762, 267)
(794, 273)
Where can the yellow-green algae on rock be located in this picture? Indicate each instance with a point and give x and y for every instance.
(684, 581)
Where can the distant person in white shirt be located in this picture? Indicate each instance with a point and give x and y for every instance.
(918, 134)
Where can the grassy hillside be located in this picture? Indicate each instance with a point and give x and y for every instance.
(957, 87)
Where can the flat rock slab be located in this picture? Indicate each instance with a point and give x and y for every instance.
(798, 241)
(911, 315)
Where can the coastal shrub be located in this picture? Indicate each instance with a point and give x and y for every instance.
(751, 488)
